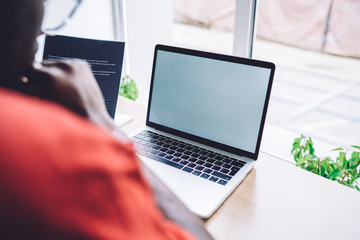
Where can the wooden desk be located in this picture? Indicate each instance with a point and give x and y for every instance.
(278, 200)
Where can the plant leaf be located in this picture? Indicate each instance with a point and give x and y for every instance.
(300, 161)
(311, 149)
(335, 173)
(322, 171)
(296, 145)
(355, 154)
(337, 149)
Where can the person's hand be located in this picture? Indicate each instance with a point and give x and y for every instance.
(71, 84)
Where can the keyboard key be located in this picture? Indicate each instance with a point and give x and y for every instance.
(162, 154)
(150, 145)
(192, 165)
(186, 157)
(187, 169)
(195, 155)
(203, 152)
(221, 175)
(228, 166)
(169, 157)
(155, 152)
(139, 147)
(233, 171)
(192, 159)
(217, 168)
(170, 151)
(219, 158)
(141, 152)
(234, 159)
(148, 149)
(213, 179)
(224, 170)
(237, 163)
(238, 160)
(210, 160)
(176, 159)
(200, 168)
(208, 170)
(219, 163)
(226, 160)
(196, 150)
(208, 165)
(163, 160)
(188, 152)
(197, 173)
(200, 162)
(138, 136)
(184, 162)
(204, 175)
(222, 182)
(203, 158)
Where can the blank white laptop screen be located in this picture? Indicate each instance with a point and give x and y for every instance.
(217, 100)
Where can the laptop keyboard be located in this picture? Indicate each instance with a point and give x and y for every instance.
(215, 167)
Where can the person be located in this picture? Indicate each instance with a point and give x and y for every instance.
(66, 171)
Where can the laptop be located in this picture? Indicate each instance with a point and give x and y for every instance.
(105, 65)
(204, 123)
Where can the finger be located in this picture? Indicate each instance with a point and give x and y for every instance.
(66, 63)
(44, 79)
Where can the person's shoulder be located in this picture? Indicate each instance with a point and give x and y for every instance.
(31, 123)
(16, 106)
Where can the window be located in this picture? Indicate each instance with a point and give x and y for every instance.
(225, 26)
(315, 47)
(316, 88)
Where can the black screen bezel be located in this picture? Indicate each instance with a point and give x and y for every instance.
(221, 57)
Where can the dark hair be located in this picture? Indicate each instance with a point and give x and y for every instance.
(9, 22)
(19, 20)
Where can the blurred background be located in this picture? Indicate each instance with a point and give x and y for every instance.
(314, 44)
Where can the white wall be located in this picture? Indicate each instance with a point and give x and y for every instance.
(93, 19)
(148, 22)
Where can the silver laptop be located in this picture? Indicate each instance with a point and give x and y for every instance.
(205, 119)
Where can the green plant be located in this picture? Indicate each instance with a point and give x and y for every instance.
(345, 170)
(128, 88)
